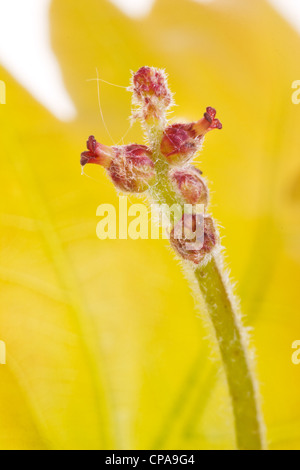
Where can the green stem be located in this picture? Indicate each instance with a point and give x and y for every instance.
(224, 316)
(233, 349)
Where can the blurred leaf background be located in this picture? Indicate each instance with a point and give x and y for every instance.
(106, 349)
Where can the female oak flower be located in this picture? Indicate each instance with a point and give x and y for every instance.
(151, 94)
(149, 82)
(189, 184)
(181, 141)
(130, 167)
(194, 237)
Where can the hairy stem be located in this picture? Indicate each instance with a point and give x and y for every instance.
(224, 316)
(233, 349)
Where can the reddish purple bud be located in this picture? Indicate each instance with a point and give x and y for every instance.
(149, 82)
(180, 142)
(189, 184)
(132, 169)
(97, 153)
(189, 247)
(151, 94)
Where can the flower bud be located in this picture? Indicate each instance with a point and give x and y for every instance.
(186, 241)
(188, 183)
(130, 166)
(151, 93)
(180, 142)
(132, 169)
